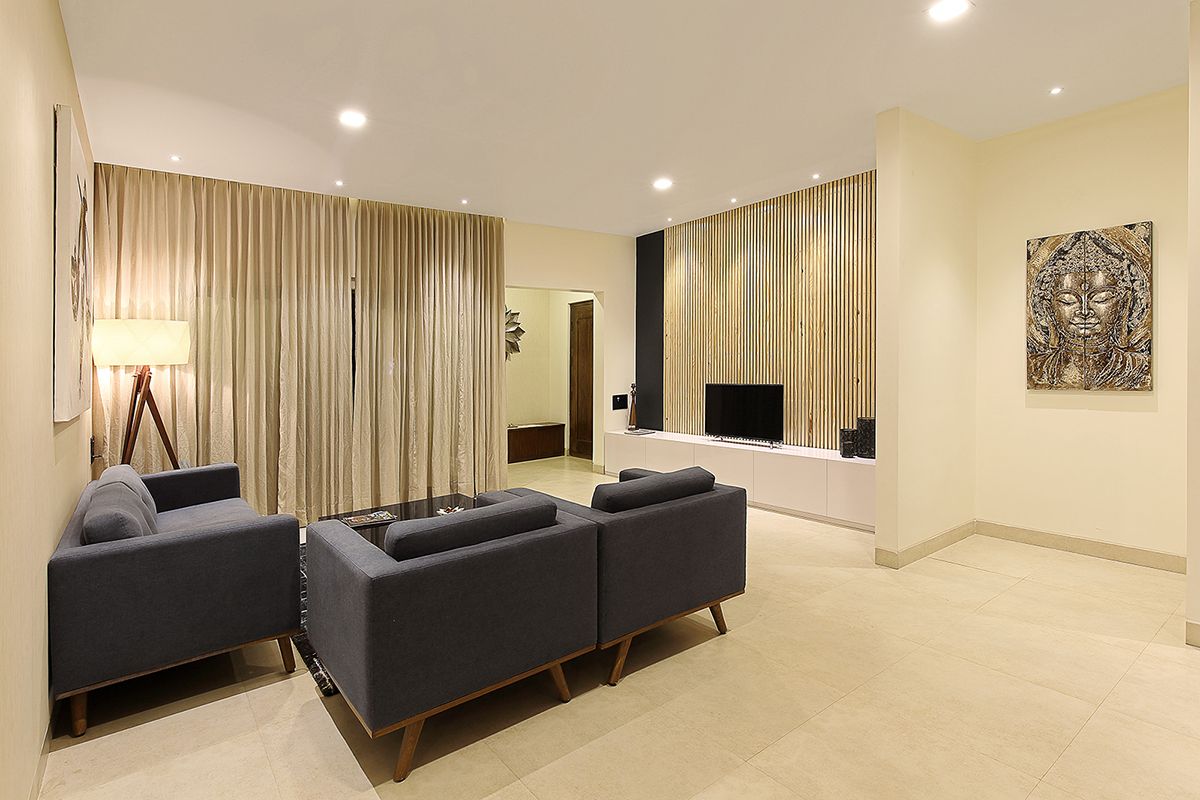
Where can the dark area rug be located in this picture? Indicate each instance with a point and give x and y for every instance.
(303, 645)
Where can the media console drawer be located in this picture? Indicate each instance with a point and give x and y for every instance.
(540, 440)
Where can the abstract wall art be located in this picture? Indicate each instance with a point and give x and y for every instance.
(72, 271)
(1088, 310)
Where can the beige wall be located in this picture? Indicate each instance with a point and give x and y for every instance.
(925, 376)
(1106, 466)
(44, 465)
(1193, 294)
(538, 378)
(538, 256)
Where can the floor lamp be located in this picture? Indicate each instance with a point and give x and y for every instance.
(141, 343)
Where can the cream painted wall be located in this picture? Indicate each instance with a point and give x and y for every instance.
(1193, 295)
(1106, 466)
(925, 311)
(538, 256)
(538, 378)
(44, 466)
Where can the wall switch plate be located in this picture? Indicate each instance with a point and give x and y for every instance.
(620, 402)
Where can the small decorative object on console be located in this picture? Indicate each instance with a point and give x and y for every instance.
(449, 510)
(373, 518)
(632, 429)
(849, 445)
(866, 437)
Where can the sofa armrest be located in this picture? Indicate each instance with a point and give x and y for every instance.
(189, 487)
(574, 509)
(404, 637)
(123, 607)
(633, 473)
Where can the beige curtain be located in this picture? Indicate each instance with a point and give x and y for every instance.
(264, 277)
(429, 389)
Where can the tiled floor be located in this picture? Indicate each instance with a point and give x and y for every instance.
(992, 670)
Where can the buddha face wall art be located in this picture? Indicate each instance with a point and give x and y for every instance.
(1088, 321)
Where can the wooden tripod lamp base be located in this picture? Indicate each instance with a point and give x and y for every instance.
(124, 342)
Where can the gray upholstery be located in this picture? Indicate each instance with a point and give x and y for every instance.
(422, 537)
(404, 637)
(134, 605)
(188, 487)
(633, 473)
(115, 512)
(652, 489)
(663, 559)
(123, 473)
(206, 515)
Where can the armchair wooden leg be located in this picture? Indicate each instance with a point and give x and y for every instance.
(560, 682)
(285, 650)
(619, 665)
(408, 747)
(78, 714)
(719, 618)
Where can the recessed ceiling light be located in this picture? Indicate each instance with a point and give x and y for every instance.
(663, 184)
(1056, 90)
(338, 183)
(668, 219)
(946, 10)
(733, 199)
(816, 176)
(464, 201)
(176, 158)
(352, 119)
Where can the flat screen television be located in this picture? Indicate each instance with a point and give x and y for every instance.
(744, 411)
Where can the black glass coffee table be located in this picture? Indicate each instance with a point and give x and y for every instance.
(374, 530)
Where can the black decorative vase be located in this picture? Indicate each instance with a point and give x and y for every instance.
(866, 437)
(849, 443)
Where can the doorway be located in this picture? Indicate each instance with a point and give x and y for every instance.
(580, 402)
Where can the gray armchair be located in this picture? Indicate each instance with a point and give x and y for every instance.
(449, 609)
(670, 545)
(155, 572)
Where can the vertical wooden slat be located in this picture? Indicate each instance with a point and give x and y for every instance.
(779, 291)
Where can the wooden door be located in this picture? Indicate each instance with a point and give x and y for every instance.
(580, 435)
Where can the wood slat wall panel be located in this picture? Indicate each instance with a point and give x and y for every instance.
(779, 291)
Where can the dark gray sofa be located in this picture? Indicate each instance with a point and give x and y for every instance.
(449, 609)
(670, 544)
(157, 571)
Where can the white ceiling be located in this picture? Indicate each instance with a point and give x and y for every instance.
(562, 112)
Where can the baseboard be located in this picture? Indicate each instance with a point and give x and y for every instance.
(39, 775)
(791, 512)
(1086, 547)
(894, 560)
(1192, 636)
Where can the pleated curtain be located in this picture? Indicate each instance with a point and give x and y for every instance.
(265, 277)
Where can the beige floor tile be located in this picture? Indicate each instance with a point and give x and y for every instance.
(1116, 757)
(274, 702)
(1014, 721)
(1124, 625)
(997, 555)
(236, 767)
(514, 791)
(857, 751)
(310, 754)
(1154, 589)
(1045, 791)
(830, 650)
(746, 783)
(655, 756)
(1075, 664)
(681, 656)
(965, 587)
(100, 759)
(880, 604)
(1170, 642)
(747, 710)
(470, 773)
(1162, 690)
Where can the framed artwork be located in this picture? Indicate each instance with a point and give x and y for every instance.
(1088, 310)
(72, 271)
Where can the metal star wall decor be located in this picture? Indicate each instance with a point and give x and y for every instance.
(512, 332)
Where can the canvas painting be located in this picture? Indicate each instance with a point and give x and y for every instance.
(1088, 312)
(72, 271)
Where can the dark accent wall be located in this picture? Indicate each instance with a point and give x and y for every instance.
(648, 367)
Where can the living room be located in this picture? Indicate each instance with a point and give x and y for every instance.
(405, 410)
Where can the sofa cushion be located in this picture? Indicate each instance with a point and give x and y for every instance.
(651, 490)
(115, 512)
(422, 537)
(206, 515)
(123, 473)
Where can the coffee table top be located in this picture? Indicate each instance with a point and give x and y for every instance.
(424, 508)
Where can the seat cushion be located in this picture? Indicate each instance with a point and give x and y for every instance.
(206, 515)
(422, 537)
(652, 489)
(123, 473)
(114, 512)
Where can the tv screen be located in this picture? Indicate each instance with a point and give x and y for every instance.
(744, 410)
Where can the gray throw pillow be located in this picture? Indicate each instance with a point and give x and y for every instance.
(421, 537)
(115, 512)
(123, 473)
(648, 490)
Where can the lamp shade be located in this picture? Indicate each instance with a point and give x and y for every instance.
(137, 342)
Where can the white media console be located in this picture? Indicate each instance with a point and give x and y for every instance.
(795, 480)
